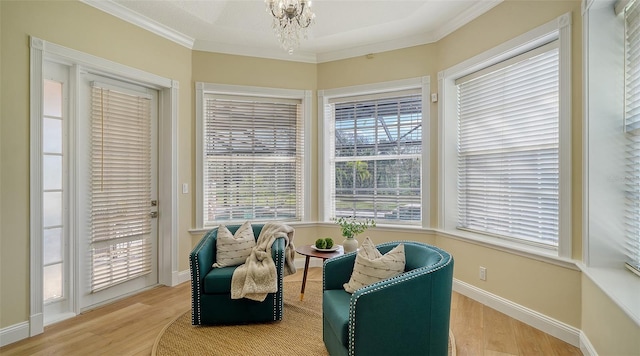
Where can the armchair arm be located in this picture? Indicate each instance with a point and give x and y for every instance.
(412, 306)
(202, 258)
(201, 261)
(337, 271)
(277, 253)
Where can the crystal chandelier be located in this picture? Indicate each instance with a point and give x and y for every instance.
(291, 18)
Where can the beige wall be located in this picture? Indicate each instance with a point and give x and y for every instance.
(511, 19)
(547, 288)
(609, 329)
(413, 62)
(83, 28)
(251, 71)
(550, 289)
(239, 70)
(557, 292)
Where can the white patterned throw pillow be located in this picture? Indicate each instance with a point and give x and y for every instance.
(233, 250)
(371, 266)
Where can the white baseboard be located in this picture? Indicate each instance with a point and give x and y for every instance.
(180, 277)
(528, 316)
(14, 333)
(36, 324)
(586, 347)
(562, 331)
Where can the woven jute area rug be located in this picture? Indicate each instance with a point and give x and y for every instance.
(299, 332)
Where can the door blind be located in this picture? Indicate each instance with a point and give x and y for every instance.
(253, 159)
(508, 153)
(120, 186)
(632, 128)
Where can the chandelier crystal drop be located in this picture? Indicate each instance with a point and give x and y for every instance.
(291, 18)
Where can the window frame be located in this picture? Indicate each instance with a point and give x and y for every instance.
(604, 183)
(324, 137)
(58, 73)
(203, 89)
(559, 28)
(632, 132)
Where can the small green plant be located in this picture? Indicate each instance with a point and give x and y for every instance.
(321, 243)
(324, 243)
(351, 227)
(328, 242)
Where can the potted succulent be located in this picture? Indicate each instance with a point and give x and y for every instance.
(350, 228)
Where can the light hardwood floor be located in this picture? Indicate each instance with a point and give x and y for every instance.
(130, 327)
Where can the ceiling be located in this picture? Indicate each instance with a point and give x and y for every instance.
(343, 28)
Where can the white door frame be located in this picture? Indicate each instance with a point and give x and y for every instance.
(41, 50)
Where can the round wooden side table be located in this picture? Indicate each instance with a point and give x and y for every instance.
(309, 252)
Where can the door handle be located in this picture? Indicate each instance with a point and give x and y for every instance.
(153, 214)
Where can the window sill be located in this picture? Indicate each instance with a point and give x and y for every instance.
(619, 284)
(524, 250)
(386, 227)
(527, 251)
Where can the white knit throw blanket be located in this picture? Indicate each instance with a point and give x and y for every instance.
(257, 276)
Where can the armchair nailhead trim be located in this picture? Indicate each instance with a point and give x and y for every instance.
(324, 286)
(195, 300)
(277, 300)
(195, 282)
(390, 282)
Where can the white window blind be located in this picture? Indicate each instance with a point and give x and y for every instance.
(253, 159)
(508, 154)
(632, 128)
(120, 186)
(376, 149)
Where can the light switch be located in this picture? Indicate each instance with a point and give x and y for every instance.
(185, 188)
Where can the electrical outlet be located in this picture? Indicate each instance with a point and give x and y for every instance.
(483, 273)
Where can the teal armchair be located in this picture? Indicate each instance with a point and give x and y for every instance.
(211, 301)
(404, 315)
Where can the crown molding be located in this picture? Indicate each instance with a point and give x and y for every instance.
(309, 57)
(144, 22)
(261, 52)
(159, 29)
(465, 17)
